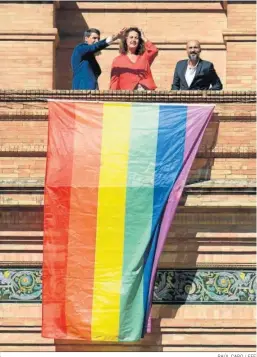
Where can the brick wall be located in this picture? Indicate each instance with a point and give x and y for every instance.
(212, 229)
(204, 224)
(241, 65)
(240, 39)
(169, 25)
(20, 16)
(241, 14)
(27, 46)
(27, 63)
(29, 36)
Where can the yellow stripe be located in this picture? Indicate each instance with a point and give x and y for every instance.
(111, 222)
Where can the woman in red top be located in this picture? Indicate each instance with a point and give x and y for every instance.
(131, 69)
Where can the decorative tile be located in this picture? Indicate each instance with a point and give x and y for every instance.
(20, 285)
(208, 286)
(202, 286)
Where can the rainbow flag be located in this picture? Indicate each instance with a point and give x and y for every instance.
(115, 174)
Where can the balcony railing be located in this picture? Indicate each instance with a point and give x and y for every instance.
(130, 96)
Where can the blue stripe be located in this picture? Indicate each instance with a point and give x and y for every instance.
(169, 162)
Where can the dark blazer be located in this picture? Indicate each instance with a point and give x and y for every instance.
(204, 77)
(85, 67)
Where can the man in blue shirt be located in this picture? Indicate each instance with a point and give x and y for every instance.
(85, 67)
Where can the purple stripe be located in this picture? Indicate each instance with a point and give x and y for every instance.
(198, 118)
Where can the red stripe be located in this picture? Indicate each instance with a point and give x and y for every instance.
(71, 196)
(56, 217)
(83, 219)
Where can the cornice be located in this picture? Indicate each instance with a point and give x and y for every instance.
(30, 35)
(141, 6)
(242, 35)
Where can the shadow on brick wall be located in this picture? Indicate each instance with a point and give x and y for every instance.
(71, 26)
(204, 162)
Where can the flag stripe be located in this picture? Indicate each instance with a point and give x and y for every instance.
(198, 118)
(111, 221)
(169, 159)
(56, 218)
(193, 132)
(83, 218)
(139, 207)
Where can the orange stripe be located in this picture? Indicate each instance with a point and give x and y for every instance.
(83, 219)
(56, 218)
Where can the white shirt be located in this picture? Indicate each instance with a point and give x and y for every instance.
(109, 39)
(190, 74)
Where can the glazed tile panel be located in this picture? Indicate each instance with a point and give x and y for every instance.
(202, 286)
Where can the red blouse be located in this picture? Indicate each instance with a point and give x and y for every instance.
(127, 75)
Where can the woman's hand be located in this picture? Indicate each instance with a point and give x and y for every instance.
(120, 34)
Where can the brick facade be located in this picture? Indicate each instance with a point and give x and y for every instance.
(169, 25)
(214, 227)
(215, 223)
(30, 33)
(28, 38)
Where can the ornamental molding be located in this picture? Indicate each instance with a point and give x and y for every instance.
(202, 286)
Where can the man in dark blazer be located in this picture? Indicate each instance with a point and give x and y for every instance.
(85, 67)
(195, 73)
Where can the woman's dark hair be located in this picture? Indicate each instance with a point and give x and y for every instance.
(123, 44)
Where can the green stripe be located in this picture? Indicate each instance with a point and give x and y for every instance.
(138, 221)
